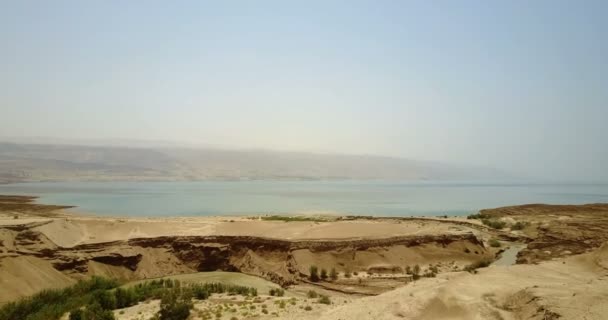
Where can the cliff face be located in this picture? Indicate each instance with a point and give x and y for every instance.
(281, 261)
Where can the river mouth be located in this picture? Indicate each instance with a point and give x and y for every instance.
(509, 256)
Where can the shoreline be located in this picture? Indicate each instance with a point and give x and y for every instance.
(60, 246)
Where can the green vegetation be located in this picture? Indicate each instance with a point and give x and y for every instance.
(308, 308)
(312, 294)
(52, 304)
(519, 225)
(431, 272)
(494, 243)
(477, 216)
(323, 274)
(175, 304)
(333, 274)
(314, 274)
(493, 223)
(324, 299)
(476, 265)
(276, 292)
(416, 272)
(95, 298)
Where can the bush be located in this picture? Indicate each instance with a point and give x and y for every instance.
(96, 312)
(52, 304)
(476, 265)
(174, 306)
(125, 298)
(493, 223)
(519, 225)
(323, 274)
(333, 274)
(312, 294)
(416, 272)
(494, 243)
(308, 308)
(76, 314)
(276, 292)
(324, 299)
(314, 274)
(476, 216)
(106, 299)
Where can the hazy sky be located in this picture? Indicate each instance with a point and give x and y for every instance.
(517, 85)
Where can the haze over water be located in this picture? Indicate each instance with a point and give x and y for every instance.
(273, 197)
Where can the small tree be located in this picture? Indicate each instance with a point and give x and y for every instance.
(314, 274)
(416, 272)
(333, 274)
(312, 294)
(323, 274)
(408, 270)
(106, 300)
(174, 307)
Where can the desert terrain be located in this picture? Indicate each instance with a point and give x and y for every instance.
(522, 262)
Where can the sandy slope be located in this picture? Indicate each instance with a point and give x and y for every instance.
(68, 232)
(21, 276)
(575, 288)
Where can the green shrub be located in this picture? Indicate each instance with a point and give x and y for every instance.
(174, 306)
(77, 314)
(312, 294)
(324, 299)
(494, 243)
(323, 274)
(493, 223)
(314, 273)
(333, 274)
(308, 308)
(52, 304)
(276, 292)
(95, 311)
(476, 265)
(476, 216)
(519, 225)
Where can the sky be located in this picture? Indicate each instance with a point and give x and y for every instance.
(520, 86)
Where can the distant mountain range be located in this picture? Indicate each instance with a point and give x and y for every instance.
(58, 162)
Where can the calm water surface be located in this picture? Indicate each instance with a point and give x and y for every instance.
(346, 197)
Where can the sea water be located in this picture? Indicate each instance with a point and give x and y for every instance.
(377, 198)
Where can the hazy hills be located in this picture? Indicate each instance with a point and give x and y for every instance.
(50, 162)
